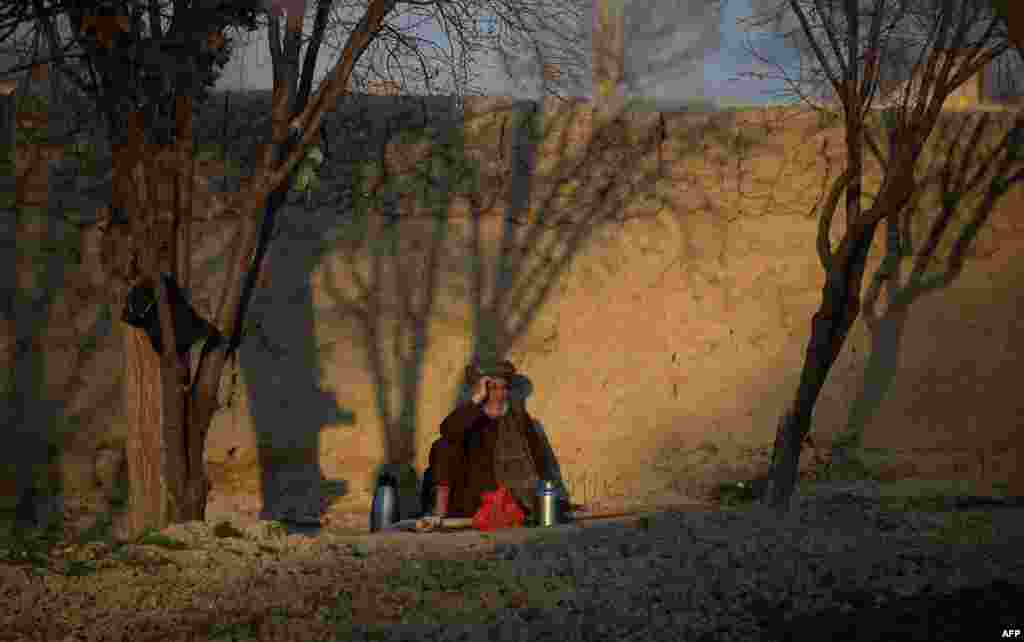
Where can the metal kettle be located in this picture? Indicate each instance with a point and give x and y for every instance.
(549, 503)
(384, 510)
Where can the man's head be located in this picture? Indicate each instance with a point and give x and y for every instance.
(496, 378)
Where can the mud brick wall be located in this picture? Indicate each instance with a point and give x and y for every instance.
(653, 275)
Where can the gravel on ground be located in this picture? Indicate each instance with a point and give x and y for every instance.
(840, 567)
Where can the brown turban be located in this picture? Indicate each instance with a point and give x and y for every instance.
(501, 369)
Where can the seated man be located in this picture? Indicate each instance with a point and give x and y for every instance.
(486, 442)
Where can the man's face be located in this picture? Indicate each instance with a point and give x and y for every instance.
(497, 391)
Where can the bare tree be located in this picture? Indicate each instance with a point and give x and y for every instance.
(128, 62)
(919, 52)
(970, 173)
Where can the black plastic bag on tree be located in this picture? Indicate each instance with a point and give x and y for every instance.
(141, 311)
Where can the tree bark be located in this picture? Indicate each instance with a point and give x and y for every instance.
(164, 441)
(145, 448)
(167, 486)
(830, 326)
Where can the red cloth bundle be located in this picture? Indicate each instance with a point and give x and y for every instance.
(498, 510)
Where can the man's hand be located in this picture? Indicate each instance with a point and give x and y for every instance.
(480, 392)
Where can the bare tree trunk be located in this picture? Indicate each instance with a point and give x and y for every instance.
(166, 485)
(166, 437)
(144, 404)
(830, 326)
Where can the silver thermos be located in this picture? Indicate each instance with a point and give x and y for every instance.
(384, 510)
(548, 503)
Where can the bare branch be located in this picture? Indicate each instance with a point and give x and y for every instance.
(323, 10)
(876, 151)
(833, 77)
(309, 120)
(887, 274)
(274, 39)
(824, 243)
(853, 100)
(873, 60)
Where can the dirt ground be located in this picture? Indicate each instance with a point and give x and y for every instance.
(254, 580)
(352, 527)
(185, 584)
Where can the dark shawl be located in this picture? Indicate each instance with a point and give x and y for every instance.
(506, 450)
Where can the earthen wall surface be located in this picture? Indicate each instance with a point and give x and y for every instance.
(658, 281)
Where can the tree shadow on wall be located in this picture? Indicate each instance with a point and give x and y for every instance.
(34, 447)
(969, 175)
(502, 235)
(58, 314)
(383, 282)
(283, 371)
(283, 359)
(565, 185)
(280, 362)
